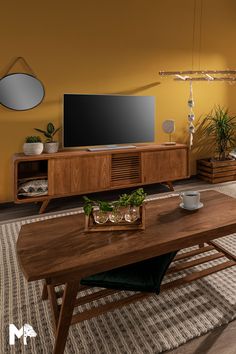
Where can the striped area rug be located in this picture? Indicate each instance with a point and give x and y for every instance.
(154, 325)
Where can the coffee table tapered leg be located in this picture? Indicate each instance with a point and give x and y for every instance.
(45, 291)
(66, 312)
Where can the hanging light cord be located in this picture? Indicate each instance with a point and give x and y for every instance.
(194, 29)
(200, 35)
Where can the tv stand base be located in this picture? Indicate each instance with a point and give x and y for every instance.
(112, 147)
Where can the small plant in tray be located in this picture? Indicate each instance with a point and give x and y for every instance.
(125, 213)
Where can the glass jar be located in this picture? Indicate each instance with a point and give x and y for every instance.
(100, 217)
(132, 214)
(116, 215)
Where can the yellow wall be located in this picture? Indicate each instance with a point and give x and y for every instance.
(114, 46)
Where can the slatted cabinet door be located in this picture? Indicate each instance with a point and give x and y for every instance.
(166, 165)
(125, 169)
(90, 173)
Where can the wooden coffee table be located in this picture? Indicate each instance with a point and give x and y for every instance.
(59, 251)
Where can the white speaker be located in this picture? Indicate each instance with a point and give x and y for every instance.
(168, 127)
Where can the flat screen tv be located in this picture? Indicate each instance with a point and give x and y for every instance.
(104, 120)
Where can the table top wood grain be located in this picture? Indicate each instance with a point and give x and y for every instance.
(59, 248)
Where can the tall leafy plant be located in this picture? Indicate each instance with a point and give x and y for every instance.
(219, 128)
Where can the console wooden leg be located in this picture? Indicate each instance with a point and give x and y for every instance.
(170, 185)
(44, 206)
(66, 312)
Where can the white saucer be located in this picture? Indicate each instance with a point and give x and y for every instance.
(200, 205)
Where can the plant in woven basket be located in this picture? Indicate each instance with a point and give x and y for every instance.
(219, 128)
(50, 146)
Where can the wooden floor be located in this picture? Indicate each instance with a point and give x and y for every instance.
(219, 341)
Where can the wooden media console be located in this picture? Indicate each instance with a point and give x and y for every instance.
(82, 172)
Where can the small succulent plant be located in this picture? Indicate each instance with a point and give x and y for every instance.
(33, 139)
(49, 133)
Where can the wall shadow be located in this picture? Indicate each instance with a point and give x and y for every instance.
(136, 89)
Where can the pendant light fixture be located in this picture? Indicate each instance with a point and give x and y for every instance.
(198, 75)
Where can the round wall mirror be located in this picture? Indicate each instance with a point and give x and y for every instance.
(21, 91)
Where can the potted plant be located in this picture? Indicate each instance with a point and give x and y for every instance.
(218, 129)
(50, 145)
(33, 145)
(126, 207)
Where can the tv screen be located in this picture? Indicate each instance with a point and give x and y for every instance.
(91, 120)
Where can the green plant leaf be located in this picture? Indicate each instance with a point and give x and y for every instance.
(40, 130)
(55, 131)
(48, 135)
(86, 199)
(88, 208)
(105, 206)
(50, 128)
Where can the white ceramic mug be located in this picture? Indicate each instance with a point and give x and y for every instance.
(190, 199)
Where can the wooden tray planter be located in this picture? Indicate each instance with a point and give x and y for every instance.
(139, 224)
(216, 171)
